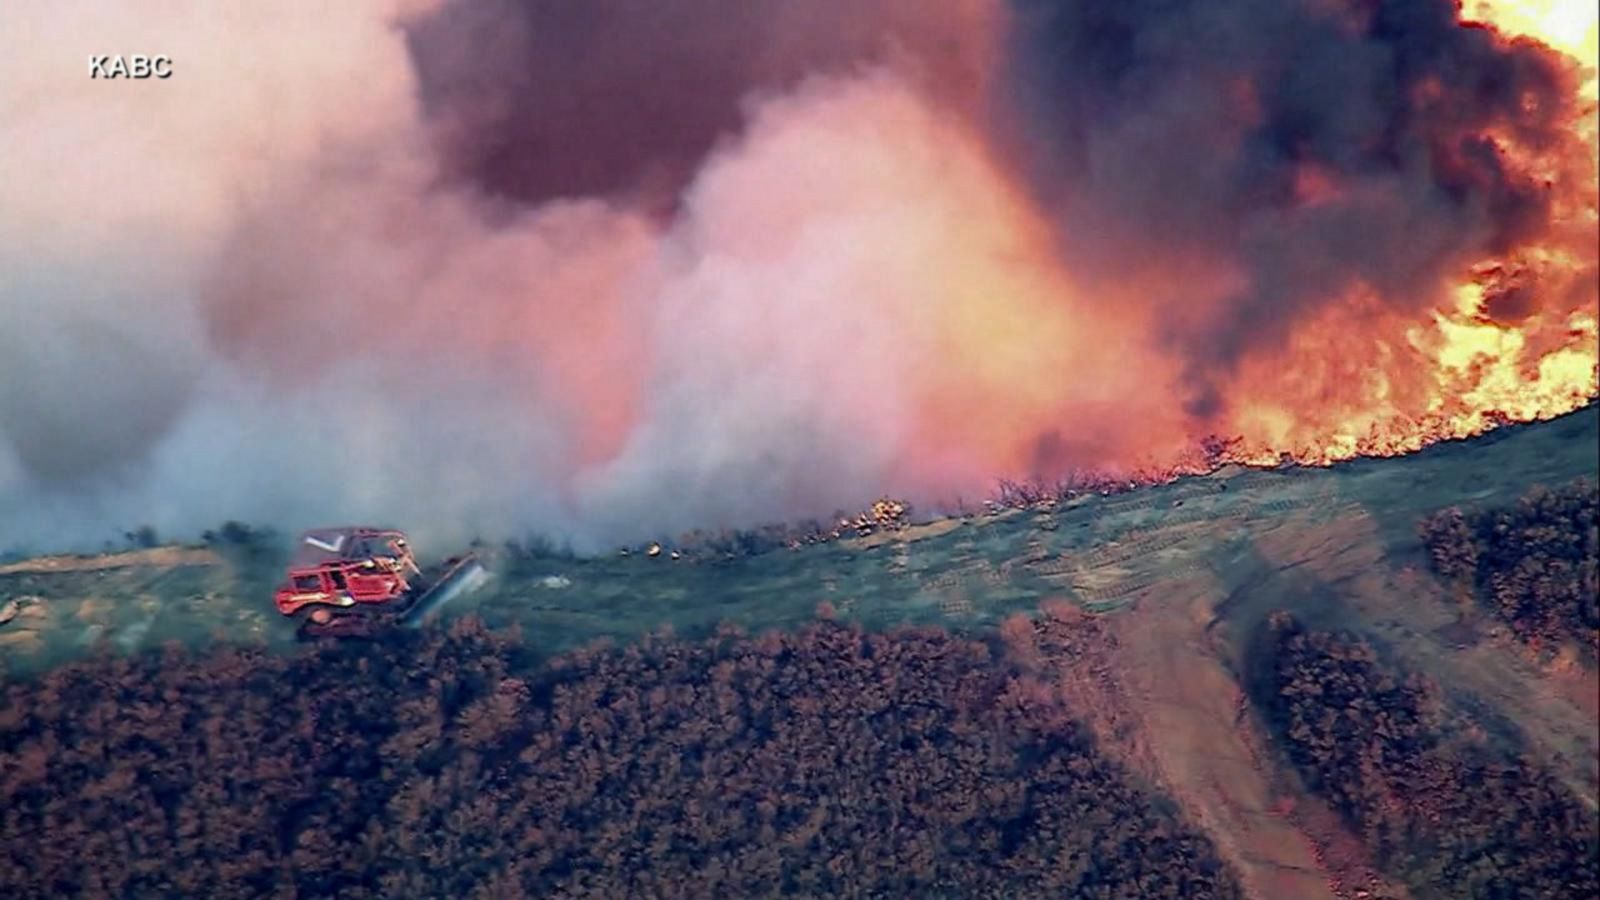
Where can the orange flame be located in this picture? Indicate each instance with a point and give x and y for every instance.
(1515, 340)
(1345, 390)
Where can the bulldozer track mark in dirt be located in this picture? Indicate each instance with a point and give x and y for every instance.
(1235, 514)
(1120, 589)
(1116, 507)
(1053, 567)
(1066, 577)
(1321, 496)
(1287, 504)
(956, 607)
(962, 577)
(1136, 544)
(1191, 515)
(1140, 582)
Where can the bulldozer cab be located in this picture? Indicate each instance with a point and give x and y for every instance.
(347, 566)
(351, 582)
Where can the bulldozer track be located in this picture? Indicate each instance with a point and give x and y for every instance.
(956, 606)
(962, 576)
(1137, 543)
(1137, 584)
(1192, 515)
(1320, 497)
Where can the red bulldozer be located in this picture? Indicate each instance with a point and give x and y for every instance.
(355, 581)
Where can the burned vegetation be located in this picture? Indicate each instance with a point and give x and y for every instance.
(1438, 804)
(1535, 564)
(828, 762)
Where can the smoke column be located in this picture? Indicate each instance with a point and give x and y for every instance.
(612, 270)
(1298, 153)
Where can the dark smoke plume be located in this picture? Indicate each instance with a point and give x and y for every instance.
(1301, 151)
(535, 100)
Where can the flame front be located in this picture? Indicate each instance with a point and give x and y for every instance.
(1349, 387)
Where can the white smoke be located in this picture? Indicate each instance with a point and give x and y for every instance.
(245, 293)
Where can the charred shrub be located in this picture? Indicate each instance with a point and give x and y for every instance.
(142, 538)
(825, 763)
(1445, 814)
(246, 544)
(1535, 565)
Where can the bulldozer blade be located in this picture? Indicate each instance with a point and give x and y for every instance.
(463, 578)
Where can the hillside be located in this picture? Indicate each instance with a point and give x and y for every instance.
(1180, 581)
(1148, 548)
